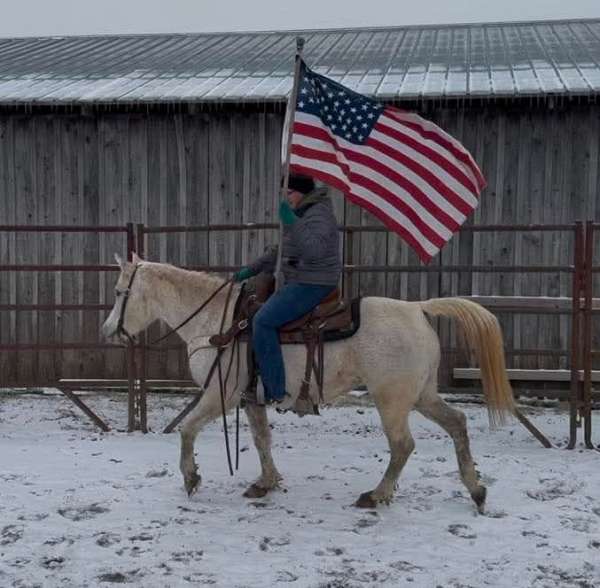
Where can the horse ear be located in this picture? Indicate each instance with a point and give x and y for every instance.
(135, 258)
(119, 260)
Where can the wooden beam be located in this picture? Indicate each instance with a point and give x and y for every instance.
(526, 375)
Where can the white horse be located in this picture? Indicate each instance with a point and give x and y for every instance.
(395, 353)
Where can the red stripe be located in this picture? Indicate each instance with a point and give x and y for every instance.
(434, 181)
(359, 201)
(429, 153)
(441, 140)
(376, 188)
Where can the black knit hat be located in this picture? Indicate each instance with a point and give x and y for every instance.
(302, 184)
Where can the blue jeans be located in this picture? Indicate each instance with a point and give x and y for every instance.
(287, 304)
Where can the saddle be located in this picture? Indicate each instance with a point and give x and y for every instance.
(333, 319)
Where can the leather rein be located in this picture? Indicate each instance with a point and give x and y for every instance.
(216, 365)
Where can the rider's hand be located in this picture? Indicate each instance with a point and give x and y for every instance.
(243, 274)
(286, 213)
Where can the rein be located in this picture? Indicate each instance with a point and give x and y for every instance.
(215, 365)
(199, 309)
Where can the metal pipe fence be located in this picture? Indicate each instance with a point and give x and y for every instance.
(580, 309)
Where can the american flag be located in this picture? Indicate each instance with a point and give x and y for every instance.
(418, 180)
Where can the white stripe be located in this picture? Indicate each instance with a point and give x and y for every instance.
(396, 190)
(413, 154)
(459, 189)
(430, 193)
(430, 127)
(374, 199)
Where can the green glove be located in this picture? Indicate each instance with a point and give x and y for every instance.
(286, 213)
(243, 274)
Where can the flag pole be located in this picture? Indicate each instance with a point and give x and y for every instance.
(285, 172)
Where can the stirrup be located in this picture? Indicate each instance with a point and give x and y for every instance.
(249, 396)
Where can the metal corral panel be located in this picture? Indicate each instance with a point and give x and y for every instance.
(483, 60)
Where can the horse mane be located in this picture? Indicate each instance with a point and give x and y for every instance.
(184, 279)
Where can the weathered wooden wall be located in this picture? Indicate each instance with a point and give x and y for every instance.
(164, 169)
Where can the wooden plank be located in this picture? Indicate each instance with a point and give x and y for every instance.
(45, 155)
(564, 254)
(543, 303)
(521, 336)
(503, 284)
(114, 142)
(7, 211)
(526, 375)
(550, 283)
(196, 140)
(71, 244)
(26, 249)
(273, 178)
(175, 176)
(252, 176)
(92, 360)
(156, 214)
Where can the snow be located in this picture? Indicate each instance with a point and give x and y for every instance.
(84, 508)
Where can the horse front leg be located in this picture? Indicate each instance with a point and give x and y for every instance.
(261, 434)
(207, 410)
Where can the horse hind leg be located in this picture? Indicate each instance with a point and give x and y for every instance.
(394, 406)
(454, 422)
(261, 434)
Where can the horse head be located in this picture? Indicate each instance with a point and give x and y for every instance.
(130, 313)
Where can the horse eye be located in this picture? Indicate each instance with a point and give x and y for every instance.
(117, 293)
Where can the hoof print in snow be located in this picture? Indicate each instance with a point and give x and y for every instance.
(462, 531)
(579, 524)
(157, 474)
(187, 557)
(82, 513)
(33, 517)
(285, 576)
(107, 539)
(142, 537)
(116, 577)
(52, 563)
(494, 514)
(553, 488)
(406, 566)
(11, 534)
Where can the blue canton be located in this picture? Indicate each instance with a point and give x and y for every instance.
(349, 115)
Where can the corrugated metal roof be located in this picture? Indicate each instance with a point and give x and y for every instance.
(487, 60)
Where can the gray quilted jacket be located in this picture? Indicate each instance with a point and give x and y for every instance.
(311, 246)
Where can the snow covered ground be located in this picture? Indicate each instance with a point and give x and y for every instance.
(83, 508)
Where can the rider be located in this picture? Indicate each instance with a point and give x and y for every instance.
(311, 266)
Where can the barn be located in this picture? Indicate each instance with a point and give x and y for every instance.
(185, 130)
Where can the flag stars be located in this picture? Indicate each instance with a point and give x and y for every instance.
(342, 112)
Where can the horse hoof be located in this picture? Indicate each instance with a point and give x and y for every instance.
(366, 500)
(255, 492)
(192, 483)
(478, 496)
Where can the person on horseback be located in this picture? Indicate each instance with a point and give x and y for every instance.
(311, 266)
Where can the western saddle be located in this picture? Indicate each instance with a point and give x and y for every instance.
(331, 319)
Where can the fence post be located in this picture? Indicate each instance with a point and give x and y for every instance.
(350, 262)
(575, 395)
(142, 348)
(131, 375)
(588, 283)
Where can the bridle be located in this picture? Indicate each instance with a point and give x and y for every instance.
(121, 330)
(216, 365)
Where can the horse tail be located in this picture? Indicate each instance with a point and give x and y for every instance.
(484, 338)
